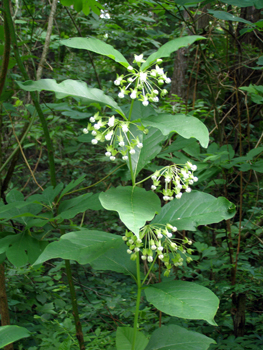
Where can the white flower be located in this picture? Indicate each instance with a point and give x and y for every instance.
(179, 195)
(139, 145)
(132, 151)
(125, 157)
(94, 133)
(138, 241)
(167, 179)
(130, 80)
(174, 228)
(92, 119)
(130, 241)
(153, 177)
(122, 144)
(112, 158)
(153, 247)
(130, 68)
(124, 238)
(111, 121)
(133, 95)
(159, 60)
(136, 249)
(143, 257)
(145, 103)
(129, 251)
(188, 190)
(85, 131)
(191, 182)
(97, 125)
(193, 168)
(94, 141)
(160, 256)
(108, 136)
(150, 258)
(166, 198)
(153, 73)
(155, 99)
(156, 92)
(153, 187)
(138, 58)
(108, 154)
(121, 94)
(117, 81)
(190, 242)
(174, 245)
(164, 92)
(159, 70)
(169, 234)
(167, 80)
(195, 179)
(143, 76)
(125, 128)
(159, 235)
(160, 248)
(160, 81)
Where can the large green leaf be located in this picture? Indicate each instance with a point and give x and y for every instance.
(83, 246)
(183, 299)
(10, 334)
(116, 259)
(98, 46)
(180, 123)
(226, 16)
(124, 336)
(194, 209)
(71, 207)
(74, 88)
(169, 47)
(135, 205)
(21, 248)
(173, 337)
(244, 3)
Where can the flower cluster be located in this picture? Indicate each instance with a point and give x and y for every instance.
(147, 82)
(115, 131)
(176, 179)
(156, 242)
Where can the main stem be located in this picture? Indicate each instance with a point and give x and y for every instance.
(139, 290)
(79, 333)
(138, 273)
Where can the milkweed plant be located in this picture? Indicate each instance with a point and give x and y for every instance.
(159, 211)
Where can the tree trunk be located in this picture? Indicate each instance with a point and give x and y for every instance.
(238, 314)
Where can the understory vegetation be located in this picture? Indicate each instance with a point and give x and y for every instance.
(131, 175)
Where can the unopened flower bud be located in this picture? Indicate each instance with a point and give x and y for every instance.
(85, 131)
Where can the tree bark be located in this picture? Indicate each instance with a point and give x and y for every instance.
(47, 41)
(238, 314)
(5, 320)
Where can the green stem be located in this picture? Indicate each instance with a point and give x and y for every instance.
(139, 285)
(79, 333)
(34, 96)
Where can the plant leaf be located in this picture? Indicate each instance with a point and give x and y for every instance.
(98, 46)
(180, 123)
(124, 336)
(83, 246)
(169, 47)
(74, 88)
(173, 337)
(226, 16)
(194, 209)
(10, 334)
(135, 205)
(184, 299)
